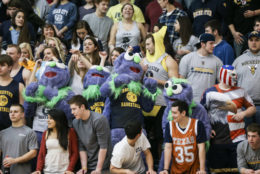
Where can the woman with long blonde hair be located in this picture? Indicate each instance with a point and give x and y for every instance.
(55, 42)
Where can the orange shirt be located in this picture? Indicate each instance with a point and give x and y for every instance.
(185, 150)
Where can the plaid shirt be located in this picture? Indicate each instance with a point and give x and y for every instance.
(169, 20)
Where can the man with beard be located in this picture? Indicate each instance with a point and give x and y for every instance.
(248, 72)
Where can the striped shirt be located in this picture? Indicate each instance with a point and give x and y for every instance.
(169, 19)
(236, 128)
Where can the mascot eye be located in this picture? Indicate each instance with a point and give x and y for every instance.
(129, 56)
(168, 84)
(176, 89)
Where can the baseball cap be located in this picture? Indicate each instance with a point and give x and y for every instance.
(254, 34)
(205, 37)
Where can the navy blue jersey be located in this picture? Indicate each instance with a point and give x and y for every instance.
(8, 95)
(126, 107)
(202, 12)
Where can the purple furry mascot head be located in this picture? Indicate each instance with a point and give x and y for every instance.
(93, 80)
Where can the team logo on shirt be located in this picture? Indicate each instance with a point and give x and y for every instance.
(131, 97)
(3, 100)
(252, 69)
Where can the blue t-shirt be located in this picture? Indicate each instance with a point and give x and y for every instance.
(63, 15)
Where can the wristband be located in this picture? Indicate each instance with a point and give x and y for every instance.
(84, 168)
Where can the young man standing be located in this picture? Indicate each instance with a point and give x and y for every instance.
(184, 142)
(227, 106)
(201, 68)
(10, 91)
(99, 23)
(127, 153)
(161, 67)
(169, 17)
(248, 151)
(222, 49)
(18, 143)
(248, 71)
(18, 73)
(94, 136)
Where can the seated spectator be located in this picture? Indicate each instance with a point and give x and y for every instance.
(94, 136)
(18, 143)
(126, 156)
(81, 31)
(16, 30)
(63, 16)
(59, 146)
(115, 12)
(126, 32)
(222, 49)
(248, 151)
(88, 8)
(186, 42)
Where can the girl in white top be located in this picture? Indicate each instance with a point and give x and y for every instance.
(58, 153)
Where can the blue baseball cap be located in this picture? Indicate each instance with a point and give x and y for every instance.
(254, 34)
(205, 37)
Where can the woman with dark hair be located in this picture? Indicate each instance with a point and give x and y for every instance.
(80, 63)
(47, 31)
(186, 42)
(81, 31)
(17, 31)
(113, 56)
(63, 16)
(59, 146)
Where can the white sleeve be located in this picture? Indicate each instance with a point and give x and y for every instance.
(145, 143)
(117, 158)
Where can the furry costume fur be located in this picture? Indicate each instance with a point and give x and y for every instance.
(92, 82)
(51, 91)
(128, 97)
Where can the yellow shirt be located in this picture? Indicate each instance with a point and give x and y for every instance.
(114, 13)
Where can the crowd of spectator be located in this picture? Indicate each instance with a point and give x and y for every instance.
(213, 44)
